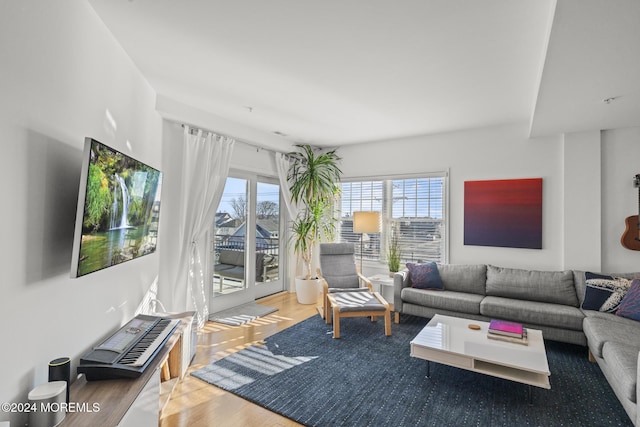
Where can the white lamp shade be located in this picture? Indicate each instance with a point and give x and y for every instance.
(366, 222)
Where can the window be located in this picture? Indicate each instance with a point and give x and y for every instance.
(412, 210)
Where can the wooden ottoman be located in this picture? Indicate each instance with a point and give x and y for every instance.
(357, 304)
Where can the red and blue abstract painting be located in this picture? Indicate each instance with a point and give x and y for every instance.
(504, 213)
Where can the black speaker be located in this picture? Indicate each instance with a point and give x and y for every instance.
(60, 370)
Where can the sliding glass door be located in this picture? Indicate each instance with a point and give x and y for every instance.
(268, 232)
(246, 265)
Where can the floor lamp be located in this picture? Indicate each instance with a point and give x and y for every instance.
(365, 222)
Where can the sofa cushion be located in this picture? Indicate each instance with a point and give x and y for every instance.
(630, 305)
(531, 285)
(235, 272)
(600, 330)
(623, 360)
(604, 292)
(231, 257)
(608, 316)
(533, 312)
(464, 278)
(425, 276)
(222, 267)
(447, 300)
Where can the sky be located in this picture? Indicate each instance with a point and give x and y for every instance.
(237, 187)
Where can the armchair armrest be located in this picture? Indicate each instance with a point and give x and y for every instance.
(365, 281)
(325, 285)
(325, 291)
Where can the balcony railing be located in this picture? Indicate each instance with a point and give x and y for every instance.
(270, 247)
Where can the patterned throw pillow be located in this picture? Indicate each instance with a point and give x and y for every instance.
(604, 293)
(630, 305)
(425, 276)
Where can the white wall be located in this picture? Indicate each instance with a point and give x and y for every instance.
(620, 163)
(587, 188)
(582, 214)
(63, 77)
(502, 152)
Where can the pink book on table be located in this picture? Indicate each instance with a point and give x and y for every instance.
(505, 327)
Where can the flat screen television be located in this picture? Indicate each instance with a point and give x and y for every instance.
(118, 209)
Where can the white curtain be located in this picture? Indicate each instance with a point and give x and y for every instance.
(282, 167)
(205, 168)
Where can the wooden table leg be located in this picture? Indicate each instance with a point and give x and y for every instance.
(387, 323)
(336, 321)
(327, 312)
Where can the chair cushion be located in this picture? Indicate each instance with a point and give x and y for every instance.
(260, 256)
(335, 290)
(337, 249)
(338, 265)
(234, 273)
(357, 301)
(222, 267)
(347, 281)
(231, 257)
(425, 276)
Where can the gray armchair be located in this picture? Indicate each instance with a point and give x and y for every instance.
(338, 271)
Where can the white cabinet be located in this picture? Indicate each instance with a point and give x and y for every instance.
(145, 408)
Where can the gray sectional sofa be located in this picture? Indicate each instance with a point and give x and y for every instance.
(546, 300)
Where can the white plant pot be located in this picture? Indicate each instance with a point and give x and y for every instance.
(307, 291)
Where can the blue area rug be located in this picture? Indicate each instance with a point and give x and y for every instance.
(367, 379)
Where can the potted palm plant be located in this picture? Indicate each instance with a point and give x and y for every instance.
(313, 179)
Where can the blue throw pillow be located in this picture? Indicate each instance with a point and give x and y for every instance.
(604, 293)
(630, 305)
(425, 276)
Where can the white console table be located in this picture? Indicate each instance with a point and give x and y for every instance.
(140, 401)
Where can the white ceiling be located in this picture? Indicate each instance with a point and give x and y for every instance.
(334, 72)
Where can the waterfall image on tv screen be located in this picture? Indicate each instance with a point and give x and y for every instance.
(118, 209)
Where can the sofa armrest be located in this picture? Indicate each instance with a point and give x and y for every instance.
(400, 281)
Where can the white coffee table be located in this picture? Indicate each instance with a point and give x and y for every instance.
(448, 340)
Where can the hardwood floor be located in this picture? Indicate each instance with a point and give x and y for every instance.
(196, 403)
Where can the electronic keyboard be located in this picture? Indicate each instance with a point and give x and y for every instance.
(129, 351)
